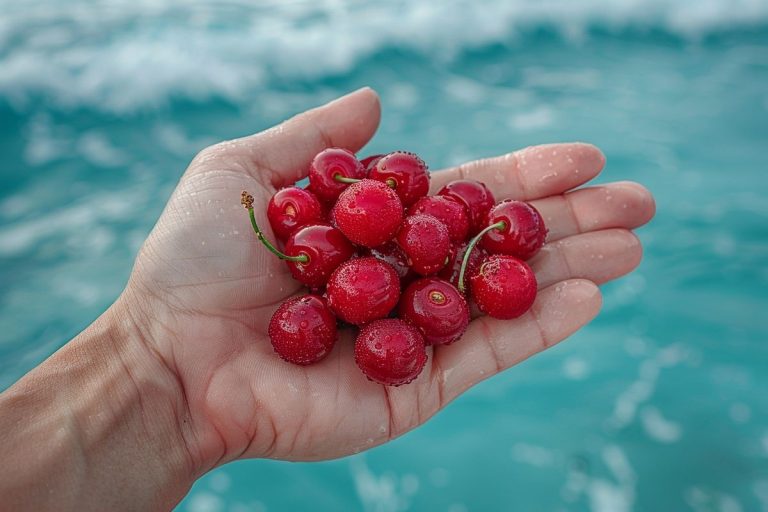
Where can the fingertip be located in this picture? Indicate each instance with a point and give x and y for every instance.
(642, 200)
(588, 156)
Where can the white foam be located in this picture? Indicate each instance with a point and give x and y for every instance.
(537, 456)
(658, 427)
(576, 368)
(123, 55)
(204, 502)
(381, 493)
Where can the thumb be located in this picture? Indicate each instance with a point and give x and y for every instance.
(282, 154)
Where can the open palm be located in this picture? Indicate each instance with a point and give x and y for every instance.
(203, 291)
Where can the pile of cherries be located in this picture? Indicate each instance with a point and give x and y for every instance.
(363, 230)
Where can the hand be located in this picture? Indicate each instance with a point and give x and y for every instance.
(203, 291)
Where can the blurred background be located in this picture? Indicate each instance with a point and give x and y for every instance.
(660, 404)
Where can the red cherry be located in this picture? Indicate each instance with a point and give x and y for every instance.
(369, 162)
(405, 172)
(291, 208)
(504, 287)
(522, 233)
(475, 196)
(330, 170)
(369, 213)
(451, 271)
(303, 330)
(363, 289)
(425, 241)
(324, 247)
(436, 308)
(392, 253)
(448, 210)
(390, 352)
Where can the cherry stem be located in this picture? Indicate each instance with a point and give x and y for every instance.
(343, 179)
(499, 225)
(247, 201)
(391, 183)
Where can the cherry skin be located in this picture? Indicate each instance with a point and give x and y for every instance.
(303, 330)
(405, 172)
(369, 162)
(368, 212)
(475, 196)
(329, 170)
(504, 287)
(291, 208)
(449, 211)
(363, 289)
(523, 231)
(390, 352)
(392, 253)
(436, 308)
(452, 270)
(325, 248)
(425, 241)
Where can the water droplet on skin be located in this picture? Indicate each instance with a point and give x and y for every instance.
(202, 243)
(570, 160)
(550, 164)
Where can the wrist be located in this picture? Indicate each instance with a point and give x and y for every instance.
(99, 425)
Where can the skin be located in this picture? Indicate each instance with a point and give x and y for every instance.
(178, 376)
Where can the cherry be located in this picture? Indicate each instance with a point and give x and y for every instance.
(363, 289)
(390, 352)
(303, 330)
(368, 212)
(405, 172)
(291, 208)
(448, 210)
(312, 253)
(425, 241)
(332, 170)
(325, 247)
(475, 196)
(520, 229)
(452, 270)
(369, 162)
(392, 253)
(504, 287)
(436, 308)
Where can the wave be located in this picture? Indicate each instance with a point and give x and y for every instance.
(124, 55)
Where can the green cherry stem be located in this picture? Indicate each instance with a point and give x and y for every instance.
(499, 225)
(391, 183)
(247, 200)
(344, 179)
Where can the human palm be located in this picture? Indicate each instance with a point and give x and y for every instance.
(203, 291)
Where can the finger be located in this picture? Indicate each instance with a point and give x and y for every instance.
(490, 346)
(599, 256)
(530, 173)
(285, 151)
(616, 205)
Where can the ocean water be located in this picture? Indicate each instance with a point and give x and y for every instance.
(660, 404)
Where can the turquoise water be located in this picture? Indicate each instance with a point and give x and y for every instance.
(659, 404)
